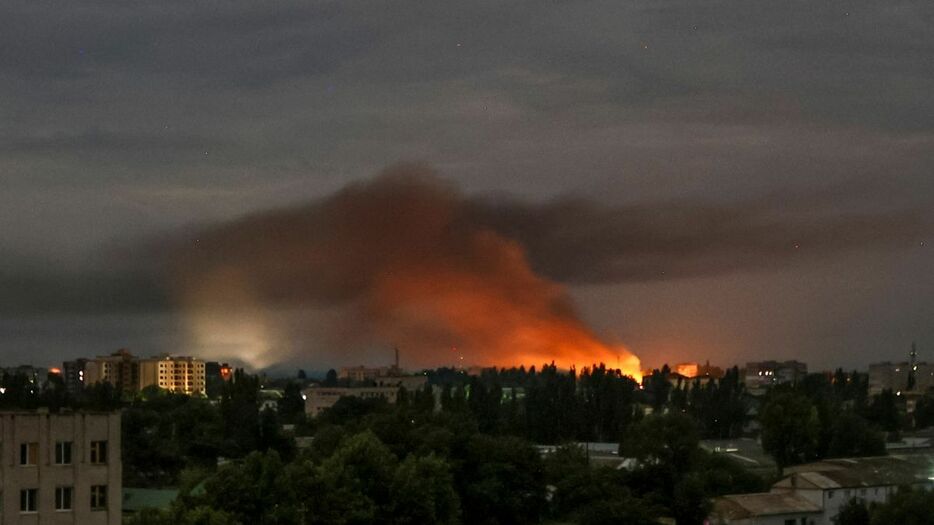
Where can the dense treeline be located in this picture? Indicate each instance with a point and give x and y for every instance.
(461, 450)
(821, 417)
(371, 462)
(906, 507)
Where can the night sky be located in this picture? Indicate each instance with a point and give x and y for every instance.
(717, 180)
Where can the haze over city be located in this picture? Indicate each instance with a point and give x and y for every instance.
(313, 184)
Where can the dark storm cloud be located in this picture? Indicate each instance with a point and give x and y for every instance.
(100, 142)
(584, 243)
(332, 251)
(118, 121)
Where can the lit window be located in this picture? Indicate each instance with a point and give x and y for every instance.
(28, 453)
(98, 452)
(98, 497)
(63, 453)
(28, 499)
(63, 498)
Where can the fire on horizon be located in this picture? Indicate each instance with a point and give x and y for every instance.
(404, 262)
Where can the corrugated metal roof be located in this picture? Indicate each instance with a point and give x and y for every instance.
(866, 472)
(738, 506)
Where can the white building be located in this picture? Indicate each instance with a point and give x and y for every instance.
(812, 494)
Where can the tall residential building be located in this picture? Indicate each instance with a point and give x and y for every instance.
(218, 371)
(180, 374)
(763, 374)
(73, 374)
(60, 468)
(895, 377)
(120, 369)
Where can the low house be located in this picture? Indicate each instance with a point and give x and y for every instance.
(812, 494)
(318, 399)
(768, 508)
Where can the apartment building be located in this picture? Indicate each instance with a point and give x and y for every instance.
(130, 374)
(761, 375)
(179, 374)
(898, 377)
(120, 369)
(60, 469)
(318, 399)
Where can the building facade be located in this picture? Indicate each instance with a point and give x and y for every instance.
(895, 377)
(318, 399)
(60, 468)
(73, 375)
(760, 375)
(179, 374)
(130, 374)
(120, 369)
(813, 494)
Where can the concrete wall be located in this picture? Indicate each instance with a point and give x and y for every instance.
(47, 429)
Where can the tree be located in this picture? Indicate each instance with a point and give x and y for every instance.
(924, 411)
(628, 510)
(851, 436)
(501, 481)
(422, 491)
(657, 387)
(906, 507)
(790, 428)
(356, 481)
(665, 448)
(250, 491)
(884, 411)
(853, 512)
(690, 505)
(292, 406)
(668, 440)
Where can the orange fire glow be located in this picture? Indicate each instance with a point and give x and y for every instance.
(517, 318)
(399, 261)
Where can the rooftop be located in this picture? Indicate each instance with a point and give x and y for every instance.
(746, 452)
(864, 472)
(135, 500)
(739, 506)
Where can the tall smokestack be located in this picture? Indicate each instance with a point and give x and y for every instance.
(397, 358)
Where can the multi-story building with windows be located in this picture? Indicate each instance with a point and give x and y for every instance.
(74, 375)
(761, 375)
(180, 374)
(120, 369)
(318, 399)
(60, 468)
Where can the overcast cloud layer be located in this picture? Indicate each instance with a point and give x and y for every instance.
(119, 122)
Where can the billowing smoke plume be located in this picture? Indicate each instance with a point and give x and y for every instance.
(408, 260)
(405, 261)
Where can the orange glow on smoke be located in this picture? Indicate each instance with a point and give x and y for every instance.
(397, 262)
(516, 319)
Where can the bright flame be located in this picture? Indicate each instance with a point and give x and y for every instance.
(517, 319)
(403, 261)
